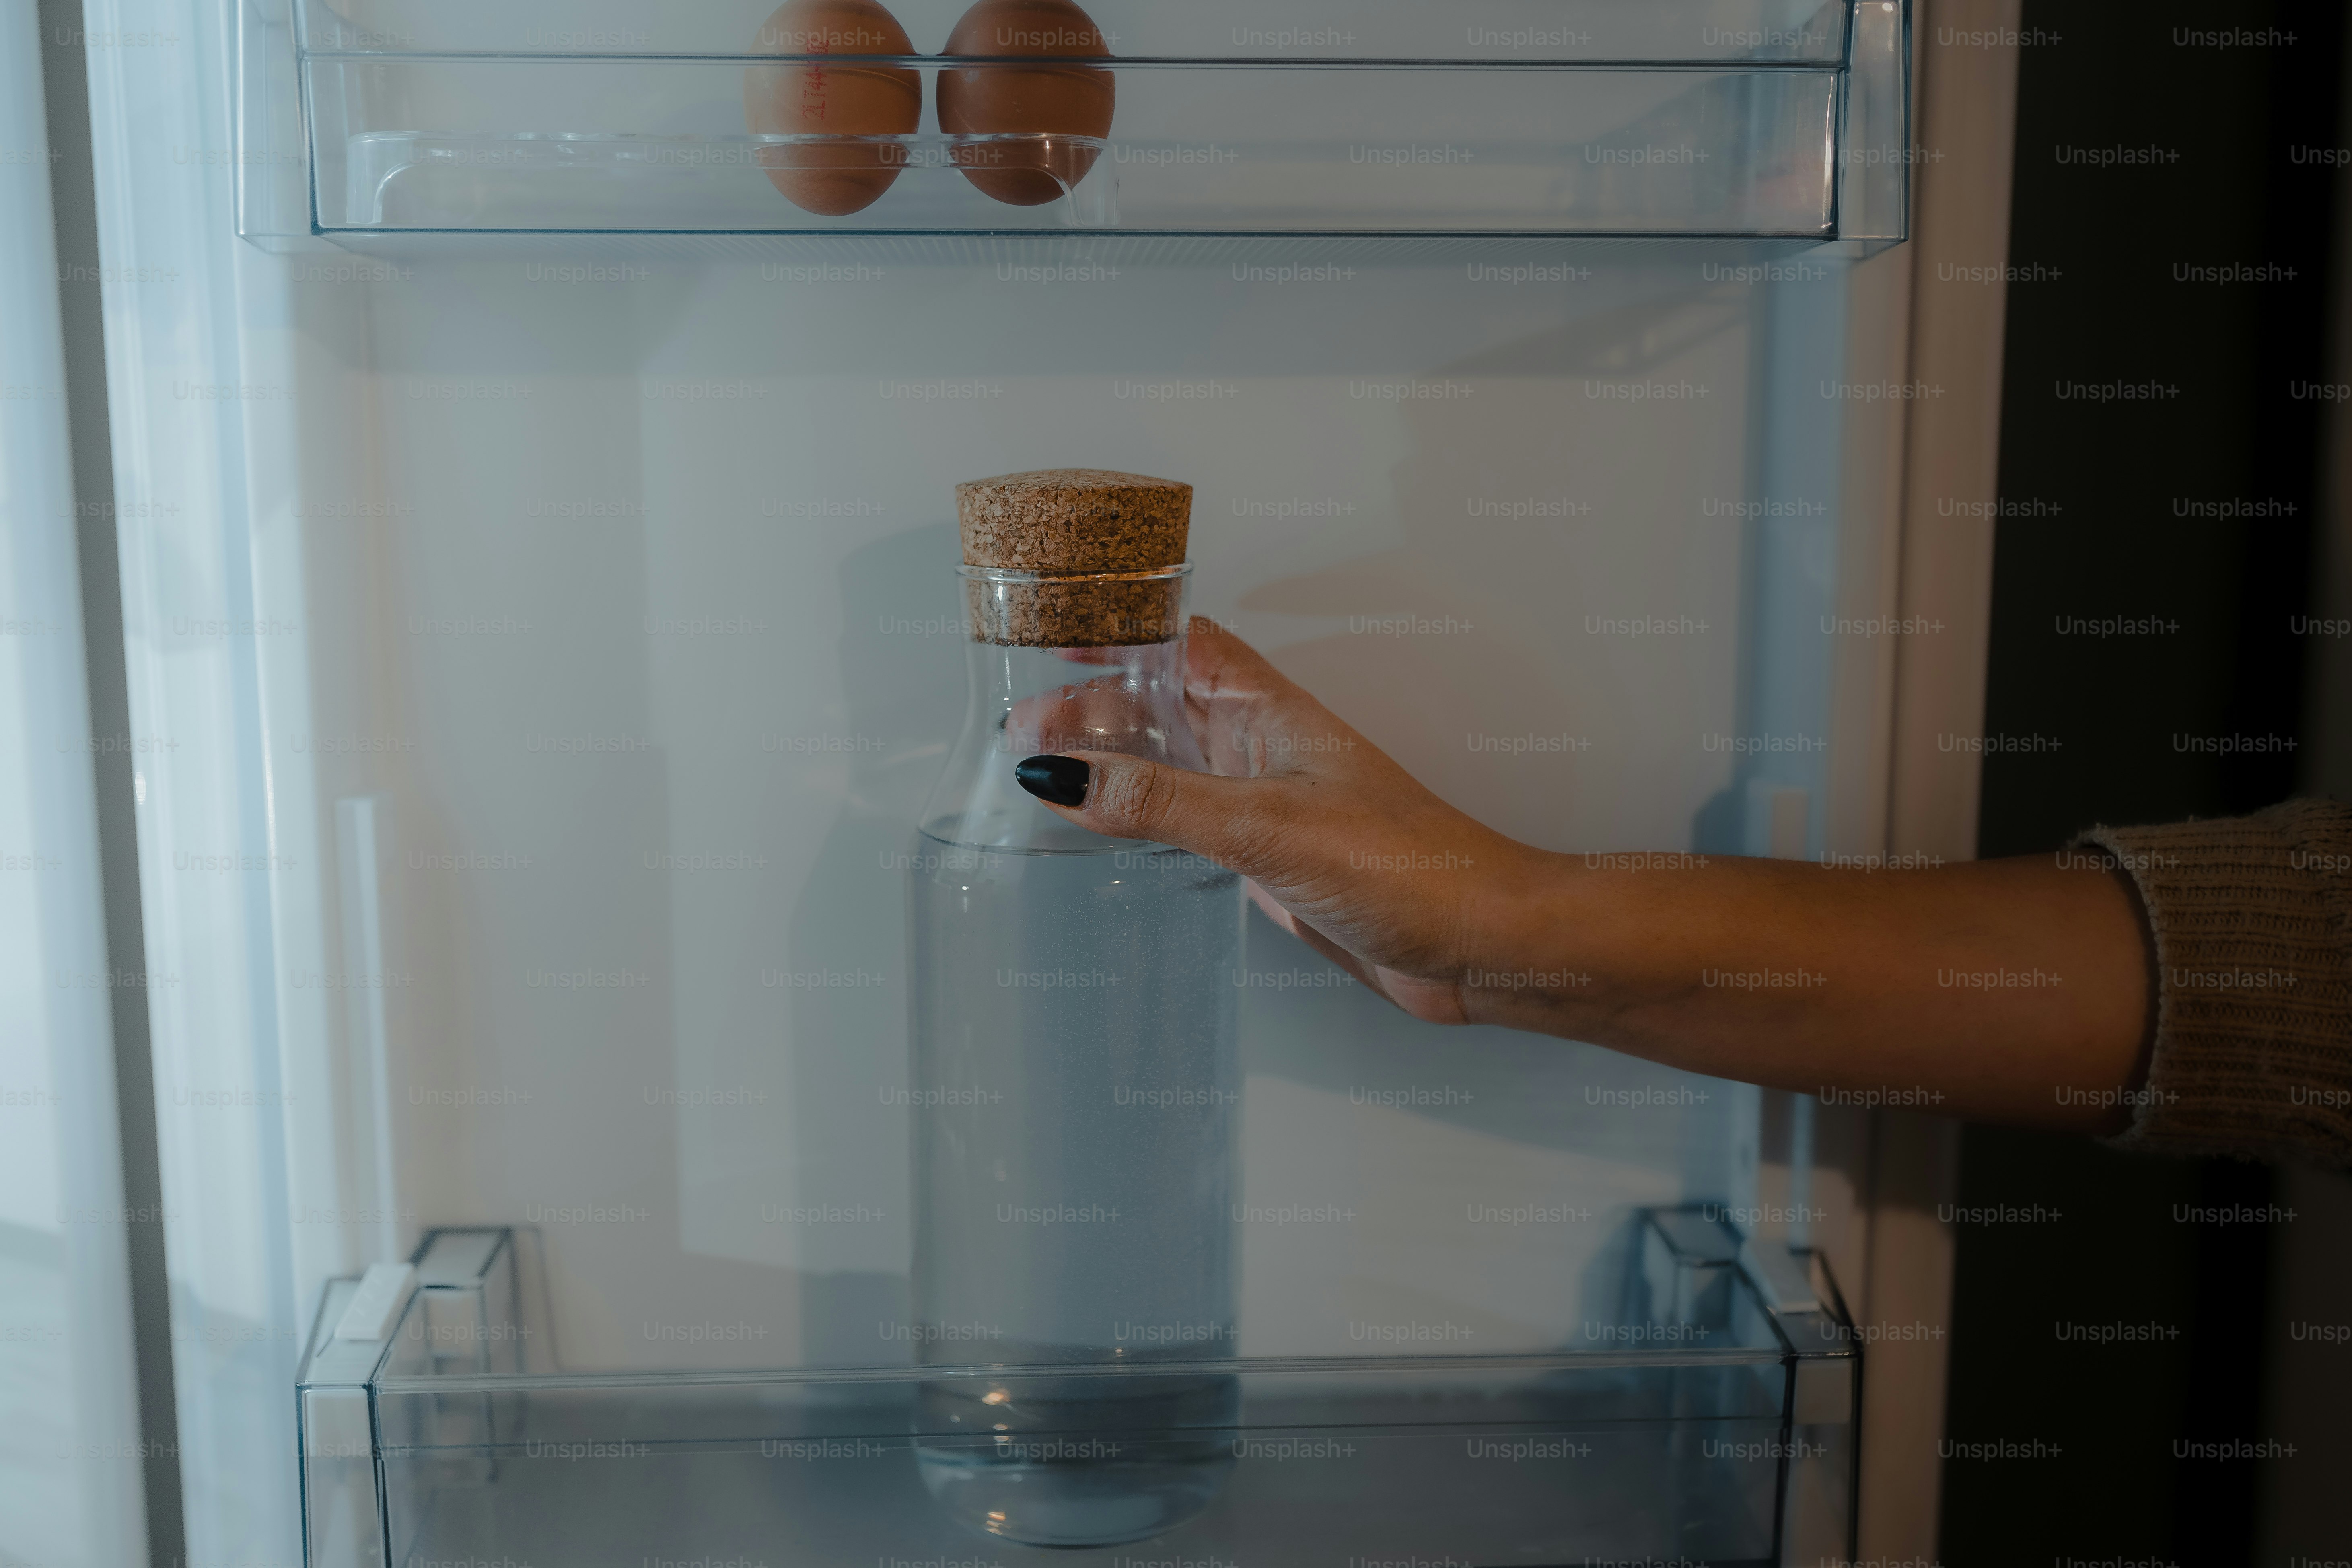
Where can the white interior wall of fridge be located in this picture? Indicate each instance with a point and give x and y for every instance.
(645, 647)
(505, 620)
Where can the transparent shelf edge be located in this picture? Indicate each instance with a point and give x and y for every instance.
(1823, 162)
(454, 1437)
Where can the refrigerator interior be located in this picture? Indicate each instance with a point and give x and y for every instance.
(624, 617)
(631, 656)
(555, 635)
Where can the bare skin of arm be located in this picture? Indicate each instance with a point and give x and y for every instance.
(2017, 990)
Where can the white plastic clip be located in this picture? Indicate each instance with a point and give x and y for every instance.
(376, 1306)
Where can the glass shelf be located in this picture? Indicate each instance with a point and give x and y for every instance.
(1715, 1427)
(1624, 31)
(1713, 118)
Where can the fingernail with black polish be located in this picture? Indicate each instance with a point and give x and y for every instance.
(1056, 781)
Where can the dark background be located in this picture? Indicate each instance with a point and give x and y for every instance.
(2115, 76)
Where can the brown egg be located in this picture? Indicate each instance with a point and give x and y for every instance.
(1060, 101)
(813, 97)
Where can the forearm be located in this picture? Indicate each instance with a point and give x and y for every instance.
(2011, 990)
(2017, 990)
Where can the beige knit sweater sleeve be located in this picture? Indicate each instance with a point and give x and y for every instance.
(2252, 919)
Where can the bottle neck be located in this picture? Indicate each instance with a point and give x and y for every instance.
(1025, 701)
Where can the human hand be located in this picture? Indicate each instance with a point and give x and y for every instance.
(1342, 848)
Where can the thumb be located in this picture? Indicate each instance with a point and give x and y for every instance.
(1128, 797)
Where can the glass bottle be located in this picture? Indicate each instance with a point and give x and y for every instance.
(1075, 1092)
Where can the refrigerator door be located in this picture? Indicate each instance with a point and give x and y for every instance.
(71, 1490)
(557, 633)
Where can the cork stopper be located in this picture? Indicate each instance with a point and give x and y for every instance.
(1078, 524)
(1068, 521)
